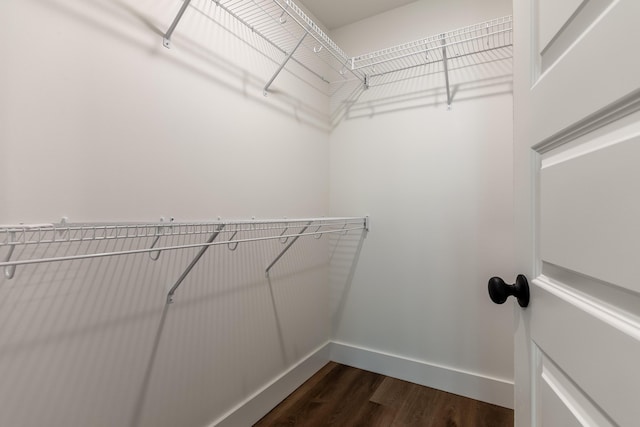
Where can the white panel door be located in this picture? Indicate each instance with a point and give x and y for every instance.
(577, 165)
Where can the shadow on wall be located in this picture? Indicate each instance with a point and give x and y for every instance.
(344, 255)
(91, 342)
(209, 44)
(484, 74)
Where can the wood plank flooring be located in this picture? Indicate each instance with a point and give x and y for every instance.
(340, 395)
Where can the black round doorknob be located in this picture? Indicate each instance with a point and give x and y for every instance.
(499, 291)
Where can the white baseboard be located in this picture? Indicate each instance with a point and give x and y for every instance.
(260, 403)
(476, 386)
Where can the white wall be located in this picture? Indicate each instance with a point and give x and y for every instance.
(99, 122)
(93, 105)
(414, 21)
(438, 186)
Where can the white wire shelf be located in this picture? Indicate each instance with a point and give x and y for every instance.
(470, 40)
(285, 26)
(232, 232)
(35, 234)
(158, 238)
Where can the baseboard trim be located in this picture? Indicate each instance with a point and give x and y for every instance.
(476, 386)
(261, 402)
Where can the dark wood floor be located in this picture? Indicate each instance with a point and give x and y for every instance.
(339, 395)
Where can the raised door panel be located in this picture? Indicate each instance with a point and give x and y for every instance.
(588, 66)
(585, 318)
(556, 15)
(591, 352)
(590, 206)
(561, 403)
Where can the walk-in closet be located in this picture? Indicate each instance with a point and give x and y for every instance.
(203, 203)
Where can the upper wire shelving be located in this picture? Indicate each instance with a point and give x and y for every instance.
(473, 40)
(470, 40)
(284, 25)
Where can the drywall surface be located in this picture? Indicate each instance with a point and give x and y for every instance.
(414, 21)
(439, 189)
(100, 122)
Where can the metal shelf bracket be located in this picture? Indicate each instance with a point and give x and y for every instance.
(266, 271)
(166, 40)
(193, 263)
(446, 71)
(266, 87)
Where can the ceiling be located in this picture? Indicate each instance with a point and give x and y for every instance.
(337, 13)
